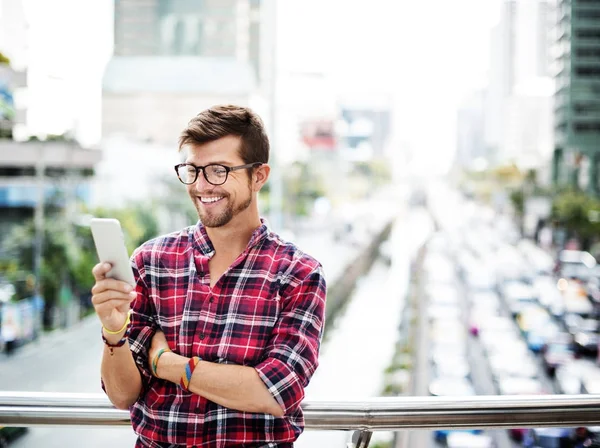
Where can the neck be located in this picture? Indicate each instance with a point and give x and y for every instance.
(232, 238)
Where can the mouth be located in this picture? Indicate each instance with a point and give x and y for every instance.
(210, 200)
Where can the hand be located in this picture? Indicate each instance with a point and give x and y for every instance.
(158, 341)
(111, 299)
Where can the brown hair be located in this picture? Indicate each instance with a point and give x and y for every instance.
(221, 121)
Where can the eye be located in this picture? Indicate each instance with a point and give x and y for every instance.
(218, 170)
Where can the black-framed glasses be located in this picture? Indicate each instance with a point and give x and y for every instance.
(214, 173)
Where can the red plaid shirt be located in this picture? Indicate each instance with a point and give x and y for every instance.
(266, 311)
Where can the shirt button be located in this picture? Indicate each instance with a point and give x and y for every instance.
(211, 300)
(197, 410)
(202, 337)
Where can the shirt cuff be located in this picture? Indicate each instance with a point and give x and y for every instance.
(283, 383)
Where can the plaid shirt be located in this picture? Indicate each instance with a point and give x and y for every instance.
(266, 311)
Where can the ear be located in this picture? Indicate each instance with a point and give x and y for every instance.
(260, 177)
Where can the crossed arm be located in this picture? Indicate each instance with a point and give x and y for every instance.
(275, 386)
(232, 386)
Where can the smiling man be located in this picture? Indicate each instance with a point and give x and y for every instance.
(226, 319)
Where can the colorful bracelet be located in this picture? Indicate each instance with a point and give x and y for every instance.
(186, 377)
(155, 360)
(127, 322)
(121, 342)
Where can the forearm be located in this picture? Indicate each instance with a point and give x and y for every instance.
(233, 386)
(120, 375)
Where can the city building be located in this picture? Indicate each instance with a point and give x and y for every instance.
(32, 172)
(471, 148)
(576, 158)
(518, 109)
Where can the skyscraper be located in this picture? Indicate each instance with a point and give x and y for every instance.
(577, 100)
(205, 28)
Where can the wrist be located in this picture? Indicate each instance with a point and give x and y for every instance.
(155, 361)
(113, 338)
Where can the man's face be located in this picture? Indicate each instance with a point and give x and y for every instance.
(217, 205)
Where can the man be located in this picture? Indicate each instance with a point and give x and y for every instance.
(226, 317)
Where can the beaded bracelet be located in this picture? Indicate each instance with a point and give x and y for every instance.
(186, 377)
(110, 346)
(155, 360)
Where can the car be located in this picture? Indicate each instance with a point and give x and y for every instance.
(451, 366)
(547, 438)
(557, 352)
(570, 376)
(508, 364)
(575, 264)
(538, 338)
(518, 295)
(464, 439)
(451, 386)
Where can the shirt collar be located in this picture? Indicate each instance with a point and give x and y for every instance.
(203, 243)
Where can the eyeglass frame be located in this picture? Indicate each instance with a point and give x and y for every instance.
(228, 169)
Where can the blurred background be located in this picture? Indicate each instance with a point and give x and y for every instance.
(441, 160)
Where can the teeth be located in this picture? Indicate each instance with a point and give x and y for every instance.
(209, 200)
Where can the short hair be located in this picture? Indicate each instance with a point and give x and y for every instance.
(223, 120)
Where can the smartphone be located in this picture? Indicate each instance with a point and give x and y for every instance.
(110, 246)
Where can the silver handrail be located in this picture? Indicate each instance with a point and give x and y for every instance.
(377, 414)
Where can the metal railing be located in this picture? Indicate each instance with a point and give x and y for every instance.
(364, 417)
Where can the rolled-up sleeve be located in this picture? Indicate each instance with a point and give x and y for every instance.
(143, 321)
(292, 352)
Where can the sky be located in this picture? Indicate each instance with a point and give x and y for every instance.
(424, 55)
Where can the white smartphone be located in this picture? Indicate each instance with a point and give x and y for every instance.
(110, 245)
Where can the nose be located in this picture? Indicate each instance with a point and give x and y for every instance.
(201, 183)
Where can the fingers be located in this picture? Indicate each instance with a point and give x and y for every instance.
(119, 297)
(111, 284)
(99, 271)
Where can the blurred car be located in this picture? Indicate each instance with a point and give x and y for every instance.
(539, 337)
(575, 264)
(557, 352)
(451, 366)
(547, 438)
(508, 364)
(569, 377)
(480, 277)
(518, 295)
(451, 386)
(520, 386)
(549, 295)
(586, 343)
(462, 439)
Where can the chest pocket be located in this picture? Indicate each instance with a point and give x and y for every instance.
(249, 327)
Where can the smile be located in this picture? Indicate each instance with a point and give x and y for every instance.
(210, 200)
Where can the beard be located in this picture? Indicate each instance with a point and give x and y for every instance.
(219, 219)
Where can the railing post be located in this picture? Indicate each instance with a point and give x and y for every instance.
(360, 439)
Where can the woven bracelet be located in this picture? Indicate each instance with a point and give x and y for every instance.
(110, 346)
(186, 376)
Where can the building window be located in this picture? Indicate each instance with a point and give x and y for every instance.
(587, 71)
(587, 127)
(588, 52)
(588, 34)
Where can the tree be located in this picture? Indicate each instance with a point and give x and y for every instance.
(575, 211)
